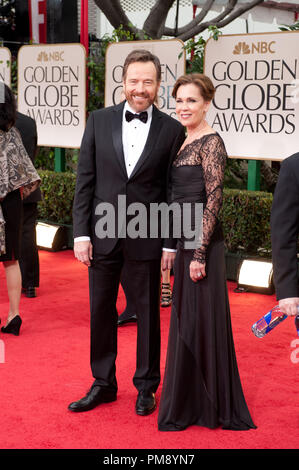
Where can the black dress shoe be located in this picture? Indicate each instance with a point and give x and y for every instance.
(146, 403)
(13, 326)
(128, 319)
(94, 397)
(29, 292)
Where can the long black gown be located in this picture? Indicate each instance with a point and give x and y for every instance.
(201, 381)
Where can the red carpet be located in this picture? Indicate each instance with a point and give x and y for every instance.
(47, 367)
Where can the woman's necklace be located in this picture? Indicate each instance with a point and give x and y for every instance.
(197, 133)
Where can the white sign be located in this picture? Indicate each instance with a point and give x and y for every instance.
(5, 65)
(256, 105)
(52, 90)
(172, 58)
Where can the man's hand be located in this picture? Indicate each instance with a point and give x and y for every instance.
(289, 305)
(83, 252)
(168, 258)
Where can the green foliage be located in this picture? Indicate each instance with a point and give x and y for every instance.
(71, 159)
(294, 27)
(45, 158)
(58, 192)
(195, 50)
(96, 76)
(14, 75)
(245, 217)
(234, 175)
(214, 32)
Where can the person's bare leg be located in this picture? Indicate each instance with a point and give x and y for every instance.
(166, 276)
(166, 289)
(14, 286)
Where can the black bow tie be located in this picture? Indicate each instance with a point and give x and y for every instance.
(142, 116)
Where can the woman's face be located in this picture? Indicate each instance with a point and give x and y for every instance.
(190, 105)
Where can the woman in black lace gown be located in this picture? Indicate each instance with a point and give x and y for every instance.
(201, 382)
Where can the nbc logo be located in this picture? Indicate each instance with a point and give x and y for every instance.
(56, 56)
(261, 47)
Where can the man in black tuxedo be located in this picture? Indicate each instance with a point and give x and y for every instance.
(126, 151)
(284, 235)
(29, 260)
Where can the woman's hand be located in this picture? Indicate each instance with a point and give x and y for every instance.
(197, 270)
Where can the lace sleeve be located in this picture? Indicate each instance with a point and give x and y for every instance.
(213, 158)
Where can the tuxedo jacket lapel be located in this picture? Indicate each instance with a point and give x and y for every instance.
(151, 140)
(117, 136)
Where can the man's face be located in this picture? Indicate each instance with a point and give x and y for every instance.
(141, 85)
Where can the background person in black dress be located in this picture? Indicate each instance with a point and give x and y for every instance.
(201, 382)
(29, 259)
(17, 178)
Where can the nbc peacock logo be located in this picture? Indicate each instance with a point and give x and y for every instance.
(42, 57)
(241, 48)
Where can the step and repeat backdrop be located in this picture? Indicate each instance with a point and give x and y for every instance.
(255, 109)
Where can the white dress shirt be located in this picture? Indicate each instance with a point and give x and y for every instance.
(134, 137)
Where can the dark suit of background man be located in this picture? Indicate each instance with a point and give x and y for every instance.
(131, 158)
(284, 235)
(29, 260)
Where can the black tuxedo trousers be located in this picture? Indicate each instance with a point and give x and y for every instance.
(104, 279)
(102, 178)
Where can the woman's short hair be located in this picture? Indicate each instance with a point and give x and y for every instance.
(142, 55)
(204, 83)
(8, 108)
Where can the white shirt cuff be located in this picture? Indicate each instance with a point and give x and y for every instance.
(82, 239)
(86, 239)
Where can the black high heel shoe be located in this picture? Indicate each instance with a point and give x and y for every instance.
(13, 326)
